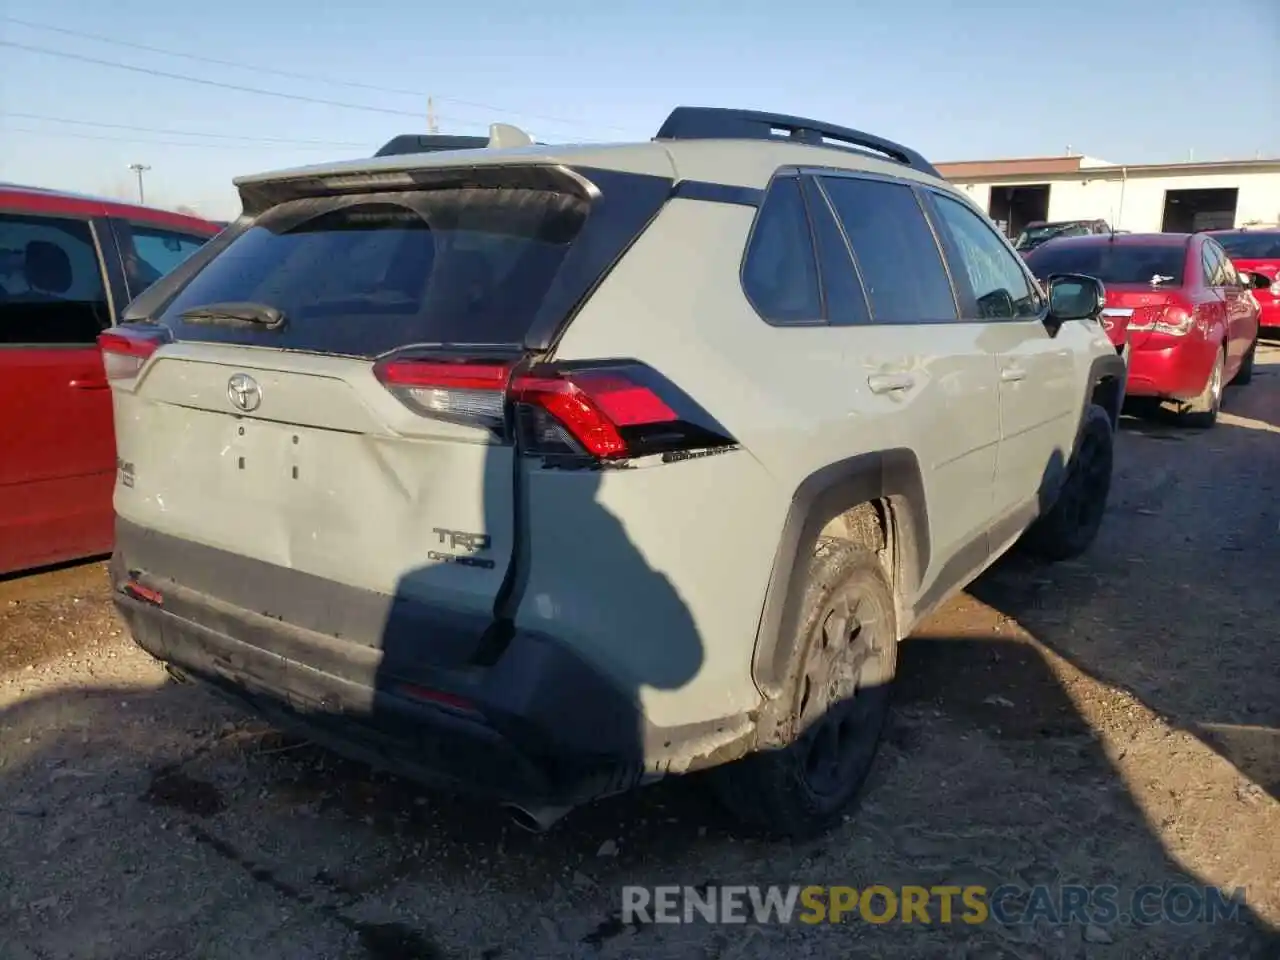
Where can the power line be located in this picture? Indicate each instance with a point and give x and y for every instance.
(315, 78)
(417, 115)
(183, 133)
(75, 135)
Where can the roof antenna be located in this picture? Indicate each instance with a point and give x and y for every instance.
(503, 135)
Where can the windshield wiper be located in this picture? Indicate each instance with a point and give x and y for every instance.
(245, 313)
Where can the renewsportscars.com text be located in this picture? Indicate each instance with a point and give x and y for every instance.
(1009, 904)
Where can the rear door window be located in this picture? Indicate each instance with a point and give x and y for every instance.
(359, 276)
(51, 286)
(895, 250)
(151, 252)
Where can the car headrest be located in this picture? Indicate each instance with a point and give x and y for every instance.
(47, 267)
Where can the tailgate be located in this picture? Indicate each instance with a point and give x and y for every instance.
(330, 475)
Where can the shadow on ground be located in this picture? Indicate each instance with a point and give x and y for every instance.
(1177, 603)
(157, 823)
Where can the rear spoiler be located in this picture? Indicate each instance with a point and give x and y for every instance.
(500, 135)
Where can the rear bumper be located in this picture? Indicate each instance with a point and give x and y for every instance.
(1177, 372)
(528, 723)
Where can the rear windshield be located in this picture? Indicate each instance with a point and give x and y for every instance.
(1156, 264)
(359, 276)
(1250, 246)
(1034, 236)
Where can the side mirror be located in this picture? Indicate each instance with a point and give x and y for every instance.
(1073, 296)
(1255, 281)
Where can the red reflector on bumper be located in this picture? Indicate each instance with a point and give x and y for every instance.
(145, 594)
(437, 697)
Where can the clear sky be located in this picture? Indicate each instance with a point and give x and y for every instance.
(1125, 80)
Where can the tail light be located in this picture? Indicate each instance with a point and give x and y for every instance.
(1172, 319)
(126, 349)
(466, 392)
(604, 411)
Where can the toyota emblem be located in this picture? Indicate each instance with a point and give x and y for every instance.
(244, 393)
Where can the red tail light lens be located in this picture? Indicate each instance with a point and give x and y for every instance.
(124, 352)
(588, 408)
(603, 412)
(145, 594)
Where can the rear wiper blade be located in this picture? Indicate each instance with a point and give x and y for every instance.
(245, 313)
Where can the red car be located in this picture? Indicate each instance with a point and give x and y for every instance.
(1257, 251)
(68, 266)
(1190, 318)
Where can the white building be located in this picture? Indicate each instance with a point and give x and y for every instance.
(1142, 198)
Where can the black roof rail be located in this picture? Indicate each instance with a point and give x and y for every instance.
(720, 123)
(429, 143)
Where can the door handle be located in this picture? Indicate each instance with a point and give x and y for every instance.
(89, 383)
(1012, 374)
(890, 382)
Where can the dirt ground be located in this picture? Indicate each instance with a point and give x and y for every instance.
(1114, 720)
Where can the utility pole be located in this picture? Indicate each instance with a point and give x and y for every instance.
(431, 116)
(140, 169)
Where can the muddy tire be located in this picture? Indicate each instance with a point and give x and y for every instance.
(1244, 376)
(1072, 523)
(838, 686)
(1202, 412)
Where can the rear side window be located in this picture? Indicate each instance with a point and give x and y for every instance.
(1215, 266)
(51, 288)
(359, 276)
(842, 293)
(897, 255)
(1230, 277)
(151, 252)
(779, 272)
(1111, 262)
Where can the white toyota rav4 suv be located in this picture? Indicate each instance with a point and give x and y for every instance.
(544, 472)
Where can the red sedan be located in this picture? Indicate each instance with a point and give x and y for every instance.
(1258, 251)
(68, 266)
(1190, 318)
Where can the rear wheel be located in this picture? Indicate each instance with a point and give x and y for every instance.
(1075, 518)
(839, 684)
(1203, 410)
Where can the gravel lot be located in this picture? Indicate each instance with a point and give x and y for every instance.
(1112, 720)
